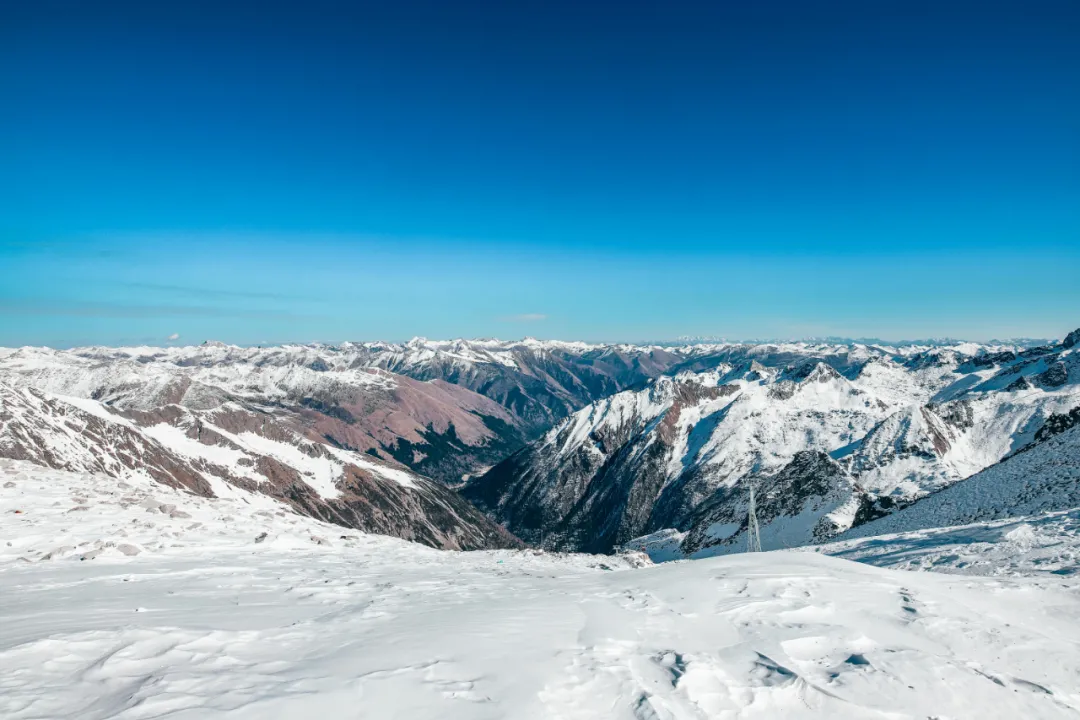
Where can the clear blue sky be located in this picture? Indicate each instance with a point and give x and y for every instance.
(267, 172)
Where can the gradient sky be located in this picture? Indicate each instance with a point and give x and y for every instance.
(269, 172)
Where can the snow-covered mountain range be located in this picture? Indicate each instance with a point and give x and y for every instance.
(882, 426)
(589, 446)
(342, 432)
(438, 428)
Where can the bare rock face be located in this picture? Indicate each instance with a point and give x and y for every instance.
(435, 428)
(957, 414)
(1018, 385)
(1054, 376)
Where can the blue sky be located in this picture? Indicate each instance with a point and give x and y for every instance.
(620, 171)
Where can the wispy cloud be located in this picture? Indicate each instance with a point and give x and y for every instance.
(192, 291)
(526, 317)
(174, 337)
(108, 310)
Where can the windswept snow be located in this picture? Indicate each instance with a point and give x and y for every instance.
(1045, 477)
(117, 606)
(1046, 545)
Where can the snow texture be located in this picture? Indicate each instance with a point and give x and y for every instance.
(1041, 545)
(118, 605)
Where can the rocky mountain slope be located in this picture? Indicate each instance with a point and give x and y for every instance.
(1041, 477)
(221, 451)
(810, 500)
(895, 423)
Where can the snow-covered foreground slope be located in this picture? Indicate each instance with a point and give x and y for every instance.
(1046, 544)
(192, 617)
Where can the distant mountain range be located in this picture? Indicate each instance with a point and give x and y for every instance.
(573, 445)
(842, 340)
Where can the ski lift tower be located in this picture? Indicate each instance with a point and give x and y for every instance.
(753, 534)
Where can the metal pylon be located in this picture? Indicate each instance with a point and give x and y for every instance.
(753, 534)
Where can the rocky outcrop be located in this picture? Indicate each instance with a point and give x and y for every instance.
(1054, 376)
(1057, 424)
(987, 360)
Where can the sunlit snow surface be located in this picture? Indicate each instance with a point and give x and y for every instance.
(1046, 544)
(178, 612)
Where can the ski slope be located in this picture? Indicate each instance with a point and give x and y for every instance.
(140, 601)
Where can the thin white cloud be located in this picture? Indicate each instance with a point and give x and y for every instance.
(174, 337)
(527, 317)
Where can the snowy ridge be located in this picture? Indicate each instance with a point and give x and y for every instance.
(612, 414)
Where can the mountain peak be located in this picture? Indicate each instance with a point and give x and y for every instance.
(822, 372)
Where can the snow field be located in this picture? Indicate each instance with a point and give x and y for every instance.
(206, 622)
